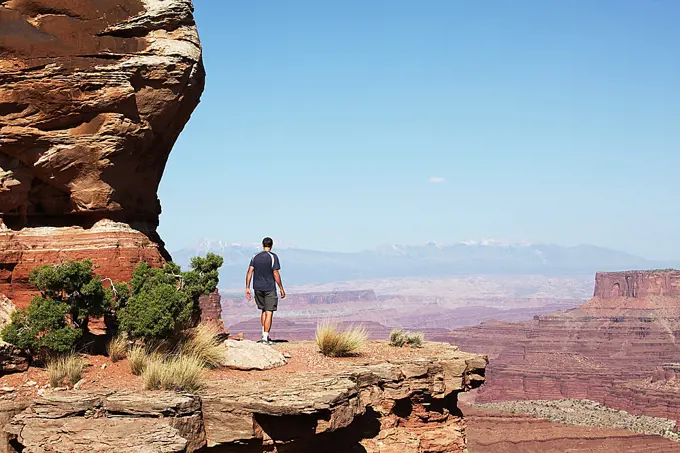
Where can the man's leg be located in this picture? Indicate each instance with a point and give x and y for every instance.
(262, 321)
(267, 322)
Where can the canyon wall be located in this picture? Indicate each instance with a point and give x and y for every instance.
(614, 350)
(638, 284)
(93, 95)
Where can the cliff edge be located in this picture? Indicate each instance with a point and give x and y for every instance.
(407, 404)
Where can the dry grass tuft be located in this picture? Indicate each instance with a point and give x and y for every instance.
(151, 372)
(117, 348)
(180, 372)
(400, 338)
(137, 358)
(69, 366)
(335, 343)
(204, 345)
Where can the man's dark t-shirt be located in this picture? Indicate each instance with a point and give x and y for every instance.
(265, 263)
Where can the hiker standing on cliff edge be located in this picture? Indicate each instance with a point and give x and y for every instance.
(264, 267)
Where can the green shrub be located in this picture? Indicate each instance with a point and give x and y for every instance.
(156, 312)
(42, 326)
(335, 343)
(204, 276)
(400, 338)
(164, 301)
(75, 284)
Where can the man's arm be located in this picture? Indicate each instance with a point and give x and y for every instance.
(277, 278)
(249, 278)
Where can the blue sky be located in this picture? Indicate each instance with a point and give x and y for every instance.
(323, 125)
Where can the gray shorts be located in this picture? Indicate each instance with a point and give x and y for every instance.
(267, 300)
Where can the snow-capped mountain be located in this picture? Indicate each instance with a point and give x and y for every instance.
(432, 260)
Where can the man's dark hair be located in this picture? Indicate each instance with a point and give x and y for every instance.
(267, 242)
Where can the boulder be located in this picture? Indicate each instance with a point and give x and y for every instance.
(12, 359)
(249, 355)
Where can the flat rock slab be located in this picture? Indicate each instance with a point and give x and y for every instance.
(98, 435)
(249, 355)
(73, 422)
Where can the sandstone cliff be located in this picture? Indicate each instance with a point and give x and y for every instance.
(638, 284)
(93, 95)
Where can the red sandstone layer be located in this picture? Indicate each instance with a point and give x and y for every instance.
(115, 249)
(641, 284)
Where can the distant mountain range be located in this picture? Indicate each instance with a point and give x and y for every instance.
(302, 267)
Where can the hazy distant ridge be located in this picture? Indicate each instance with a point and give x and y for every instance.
(301, 266)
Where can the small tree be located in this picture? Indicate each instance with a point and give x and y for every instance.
(164, 301)
(42, 326)
(70, 293)
(156, 311)
(75, 284)
(204, 275)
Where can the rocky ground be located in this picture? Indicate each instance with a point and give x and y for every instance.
(381, 400)
(504, 432)
(587, 413)
(301, 356)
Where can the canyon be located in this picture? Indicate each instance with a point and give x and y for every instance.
(432, 305)
(93, 95)
(619, 349)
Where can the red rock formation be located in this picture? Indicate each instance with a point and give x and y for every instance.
(211, 311)
(638, 284)
(607, 350)
(115, 249)
(93, 95)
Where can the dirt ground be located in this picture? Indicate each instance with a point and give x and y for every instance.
(102, 374)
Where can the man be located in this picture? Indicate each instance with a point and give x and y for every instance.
(264, 273)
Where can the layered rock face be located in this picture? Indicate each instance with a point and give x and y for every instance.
(637, 284)
(405, 406)
(93, 95)
(608, 350)
(211, 311)
(114, 248)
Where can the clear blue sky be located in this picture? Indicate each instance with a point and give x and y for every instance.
(322, 124)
